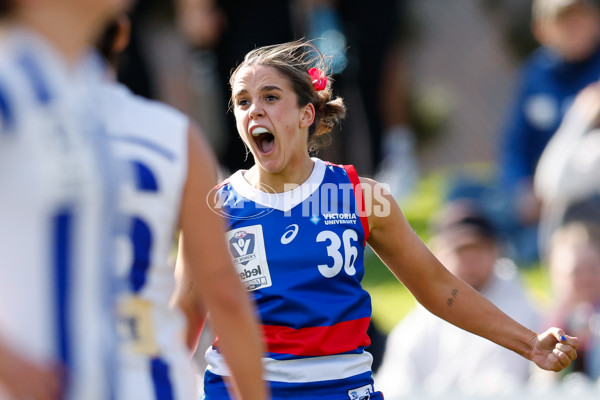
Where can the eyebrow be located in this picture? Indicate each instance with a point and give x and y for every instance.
(268, 88)
(262, 89)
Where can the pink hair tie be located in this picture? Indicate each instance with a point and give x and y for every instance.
(318, 79)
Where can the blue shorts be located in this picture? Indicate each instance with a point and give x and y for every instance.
(343, 389)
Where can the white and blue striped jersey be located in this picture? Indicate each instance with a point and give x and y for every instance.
(152, 139)
(56, 214)
(300, 254)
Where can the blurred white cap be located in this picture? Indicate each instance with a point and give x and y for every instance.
(551, 9)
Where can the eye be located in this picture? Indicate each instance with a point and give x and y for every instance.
(242, 103)
(271, 98)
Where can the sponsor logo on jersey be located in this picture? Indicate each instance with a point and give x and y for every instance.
(340, 218)
(289, 234)
(247, 246)
(361, 393)
(241, 246)
(253, 278)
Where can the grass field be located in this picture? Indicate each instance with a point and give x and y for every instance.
(391, 300)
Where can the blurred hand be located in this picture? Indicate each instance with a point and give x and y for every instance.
(25, 380)
(551, 353)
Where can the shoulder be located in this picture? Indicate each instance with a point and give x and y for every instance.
(370, 183)
(227, 186)
(225, 183)
(7, 102)
(536, 69)
(379, 204)
(121, 101)
(376, 191)
(11, 80)
(18, 101)
(134, 116)
(541, 62)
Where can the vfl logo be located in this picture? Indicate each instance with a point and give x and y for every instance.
(247, 246)
(290, 234)
(241, 246)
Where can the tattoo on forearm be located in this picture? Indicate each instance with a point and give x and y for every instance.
(453, 294)
(190, 287)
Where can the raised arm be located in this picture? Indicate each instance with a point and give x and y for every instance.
(447, 296)
(210, 278)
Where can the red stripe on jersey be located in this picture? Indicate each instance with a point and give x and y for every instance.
(360, 199)
(220, 185)
(318, 341)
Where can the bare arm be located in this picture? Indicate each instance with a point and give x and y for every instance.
(189, 301)
(447, 296)
(208, 274)
(25, 380)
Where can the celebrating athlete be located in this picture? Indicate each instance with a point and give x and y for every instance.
(298, 227)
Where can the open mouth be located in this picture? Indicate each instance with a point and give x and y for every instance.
(265, 141)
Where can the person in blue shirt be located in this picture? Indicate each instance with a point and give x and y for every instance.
(567, 61)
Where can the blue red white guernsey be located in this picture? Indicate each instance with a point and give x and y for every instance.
(300, 253)
(151, 138)
(56, 215)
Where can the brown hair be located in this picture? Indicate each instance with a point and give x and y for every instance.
(293, 60)
(106, 43)
(5, 7)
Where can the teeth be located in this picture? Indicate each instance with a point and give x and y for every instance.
(259, 131)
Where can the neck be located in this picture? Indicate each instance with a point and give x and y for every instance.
(282, 181)
(70, 34)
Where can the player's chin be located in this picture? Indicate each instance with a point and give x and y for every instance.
(270, 166)
(271, 163)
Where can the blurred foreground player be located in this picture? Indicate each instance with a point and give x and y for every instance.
(56, 204)
(173, 170)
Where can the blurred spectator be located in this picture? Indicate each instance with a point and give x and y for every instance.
(371, 74)
(377, 43)
(133, 66)
(229, 29)
(574, 262)
(425, 352)
(566, 62)
(566, 179)
(133, 69)
(366, 55)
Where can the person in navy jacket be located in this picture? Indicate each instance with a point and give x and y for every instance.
(567, 61)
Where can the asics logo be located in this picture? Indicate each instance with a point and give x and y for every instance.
(290, 234)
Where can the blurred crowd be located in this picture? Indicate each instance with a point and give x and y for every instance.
(183, 54)
(539, 206)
